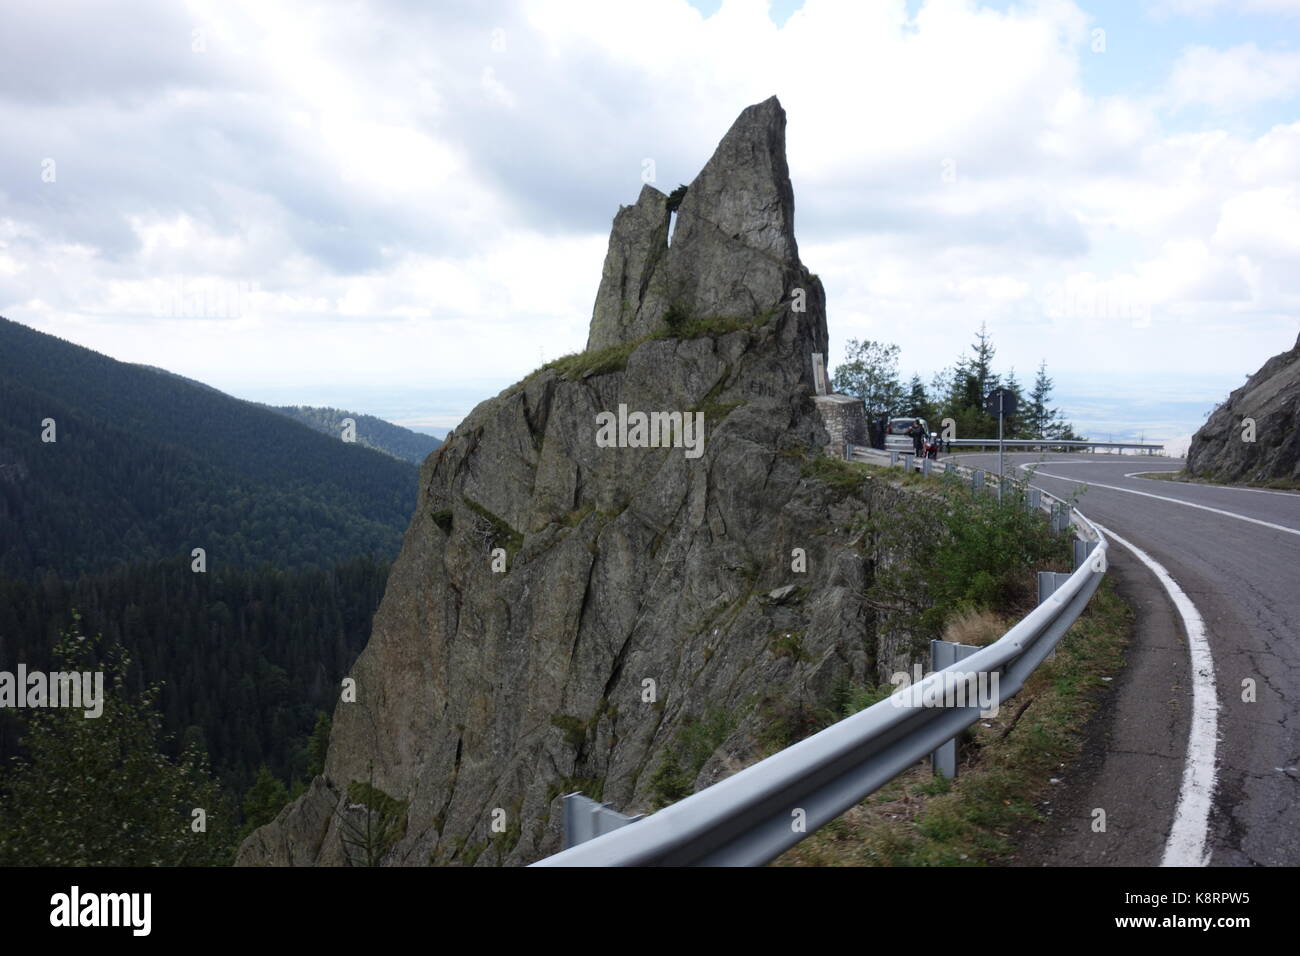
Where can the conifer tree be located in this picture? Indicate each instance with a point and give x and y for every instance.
(98, 791)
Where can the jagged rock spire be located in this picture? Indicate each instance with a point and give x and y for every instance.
(733, 250)
(483, 688)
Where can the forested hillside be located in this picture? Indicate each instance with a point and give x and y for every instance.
(370, 431)
(145, 465)
(248, 657)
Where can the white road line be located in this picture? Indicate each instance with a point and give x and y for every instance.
(1069, 461)
(1258, 491)
(1185, 845)
(1177, 501)
(1065, 461)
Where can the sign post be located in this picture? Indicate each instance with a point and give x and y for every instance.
(1001, 402)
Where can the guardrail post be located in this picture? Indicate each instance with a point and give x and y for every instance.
(1048, 582)
(1035, 499)
(848, 451)
(893, 458)
(1081, 551)
(943, 762)
(977, 479)
(925, 465)
(585, 819)
(907, 461)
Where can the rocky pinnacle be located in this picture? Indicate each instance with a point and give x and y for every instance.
(733, 251)
(633, 622)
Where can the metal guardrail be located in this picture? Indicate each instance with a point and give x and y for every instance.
(756, 814)
(1050, 443)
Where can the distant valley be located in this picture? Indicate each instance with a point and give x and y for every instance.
(370, 431)
(235, 551)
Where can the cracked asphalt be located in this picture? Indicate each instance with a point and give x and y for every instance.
(1244, 578)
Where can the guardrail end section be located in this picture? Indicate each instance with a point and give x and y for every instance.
(585, 819)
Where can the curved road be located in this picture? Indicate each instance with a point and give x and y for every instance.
(1235, 553)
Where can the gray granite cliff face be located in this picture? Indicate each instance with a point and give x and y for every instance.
(660, 613)
(1271, 398)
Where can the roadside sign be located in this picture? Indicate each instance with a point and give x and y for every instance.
(1001, 403)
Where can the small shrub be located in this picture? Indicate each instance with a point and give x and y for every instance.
(786, 722)
(495, 532)
(691, 748)
(373, 822)
(683, 326)
(843, 478)
(975, 627)
(594, 362)
(676, 317)
(951, 552)
(575, 729)
(574, 518)
(717, 411)
(787, 644)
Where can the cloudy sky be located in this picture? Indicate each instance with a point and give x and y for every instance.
(402, 207)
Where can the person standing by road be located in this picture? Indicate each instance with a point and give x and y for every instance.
(917, 434)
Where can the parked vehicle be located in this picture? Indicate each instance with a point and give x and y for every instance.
(896, 436)
(933, 445)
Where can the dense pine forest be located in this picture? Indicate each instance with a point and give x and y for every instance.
(223, 673)
(248, 658)
(103, 462)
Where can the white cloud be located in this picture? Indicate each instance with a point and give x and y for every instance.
(1237, 77)
(395, 192)
(1203, 8)
(1263, 222)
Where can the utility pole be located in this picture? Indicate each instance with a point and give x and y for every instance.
(1002, 475)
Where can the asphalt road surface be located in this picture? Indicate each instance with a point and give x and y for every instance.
(1157, 752)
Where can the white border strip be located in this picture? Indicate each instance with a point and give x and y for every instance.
(1177, 501)
(1186, 844)
(1141, 475)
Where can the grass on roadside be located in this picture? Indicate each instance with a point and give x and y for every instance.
(1007, 765)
